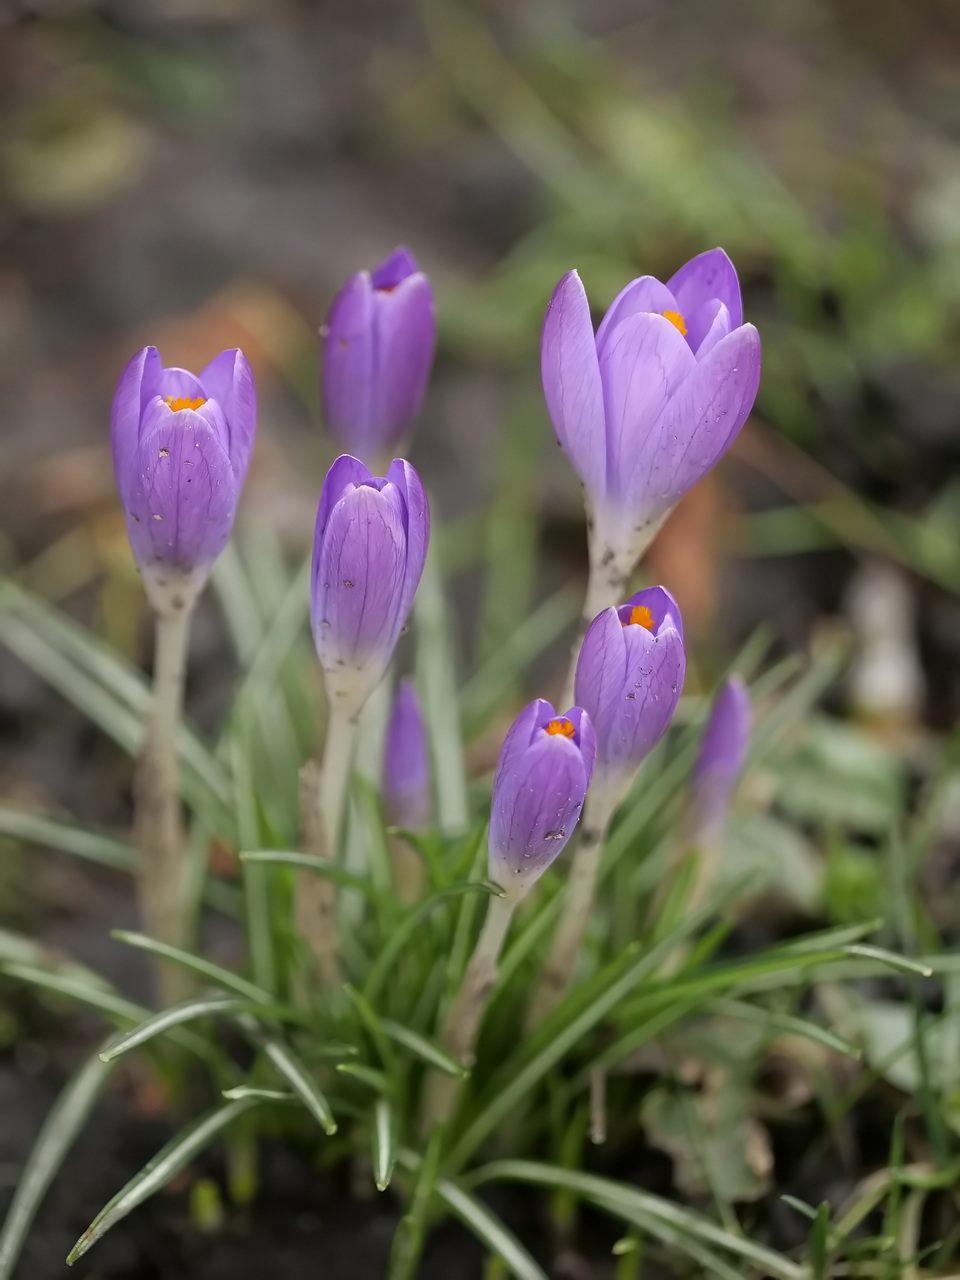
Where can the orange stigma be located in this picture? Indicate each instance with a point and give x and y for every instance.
(676, 319)
(640, 616)
(563, 727)
(177, 403)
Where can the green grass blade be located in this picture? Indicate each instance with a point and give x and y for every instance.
(98, 997)
(156, 1173)
(411, 1231)
(66, 1118)
(382, 1145)
(323, 867)
(196, 964)
(204, 1006)
(288, 1065)
(50, 833)
(488, 1228)
(423, 1048)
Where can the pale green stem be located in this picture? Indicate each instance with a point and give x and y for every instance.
(324, 791)
(579, 894)
(158, 816)
(459, 1034)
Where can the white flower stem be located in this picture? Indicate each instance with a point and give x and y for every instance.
(579, 895)
(158, 817)
(460, 1028)
(324, 791)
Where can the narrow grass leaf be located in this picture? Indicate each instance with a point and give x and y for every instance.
(188, 1011)
(423, 1048)
(488, 1228)
(322, 866)
(296, 1074)
(411, 1230)
(196, 964)
(382, 1145)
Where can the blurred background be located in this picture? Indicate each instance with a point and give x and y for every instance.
(200, 174)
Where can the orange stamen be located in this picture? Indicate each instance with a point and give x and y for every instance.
(640, 616)
(677, 320)
(177, 403)
(561, 726)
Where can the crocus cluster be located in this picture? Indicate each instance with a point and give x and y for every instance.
(181, 446)
(647, 405)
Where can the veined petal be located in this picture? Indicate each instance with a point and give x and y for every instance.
(708, 324)
(571, 382)
(720, 759)
(662, 605)
(228, 379)
(417, 527)
(708, 275)
(644, 361)
(344, 471)
(698, 422)
(394, 268)
(643, 294)
(536, 715)
(137, 386)
(180, 384)
(350, 364)
(601, 670)
(406, 337)
(655, 668)
(406, 769)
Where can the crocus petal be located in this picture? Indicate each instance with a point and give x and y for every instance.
(644, 361)
(400, 264)
(181, 512)
(406, 771)
(644, 294)
(180, 384)
(344, 471)
(349, 364)
(571, 382)
(708, 275)
(698, 422)
(722, 750)
(601, 669)
(662, 606)
(536, 715)
(358, 577)
(228, 379)
(708, 324)
(585, 737)
(654, 672)
(417, 525)
(128, 403)
(406, 340)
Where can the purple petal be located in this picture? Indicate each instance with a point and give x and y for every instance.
(393, 269)
(601, 669)
(142, 371)
(349, 364)
(358, 580)
(708, 324)
(571, 382)
(180, 384)
(406, 772)
(536, 715)
(654, 672)
(228, 379)
(536, 805)
(663, 607)
(406, 338)
(708, 275)
(344, 472)
(698, 422)
(644, 361)
(417, 524)
(722, 751)
(181, 510)
(585, 737)
(643, 294)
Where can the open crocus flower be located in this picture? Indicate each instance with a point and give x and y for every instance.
(369, 549)
(377, 352)
(181, 446)
(544, 769)
(720, 759)
(647, 406)
(629, 679)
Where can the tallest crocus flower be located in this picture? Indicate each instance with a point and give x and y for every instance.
(647, 405)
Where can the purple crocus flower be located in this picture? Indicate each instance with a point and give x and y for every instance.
(369, 548)
(644, 408)
(406, 768)
(545, 766)
(181, 446)
(722, 751)
(378, 348)
(629, 677)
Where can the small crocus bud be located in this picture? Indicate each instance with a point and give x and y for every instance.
(722, 750)
(369, 549)
(644, 408)
(378, 348)
(629, 678)
(544, 769)
(181, 446)
(406, 766)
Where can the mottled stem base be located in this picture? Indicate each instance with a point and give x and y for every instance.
(579, 895)
(459, 1033)
(158, 819)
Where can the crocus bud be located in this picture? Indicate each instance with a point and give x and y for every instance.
(369, 549)
(644, 408)
(378, 348)
(181, 446)
(544, 769)
(406, 766)
(629, 678)
(722, 750)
